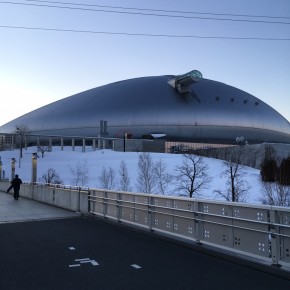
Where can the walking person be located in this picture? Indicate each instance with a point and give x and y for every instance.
(15, 184)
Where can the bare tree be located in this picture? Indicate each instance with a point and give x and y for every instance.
(275, 194)
(191, 177)
(236, 187)
(124, 182)
(146, 180)
(51, 177)
(107, 178)
(163, 178)
(80, 173)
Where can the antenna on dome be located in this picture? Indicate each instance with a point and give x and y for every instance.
(182, 82)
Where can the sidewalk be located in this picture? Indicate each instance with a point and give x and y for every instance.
(24, 209)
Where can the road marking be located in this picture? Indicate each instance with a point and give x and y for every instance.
(72, 248)
(84, 261)
(136, 266)
(93, 262)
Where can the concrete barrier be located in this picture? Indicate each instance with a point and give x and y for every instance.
(74, 199)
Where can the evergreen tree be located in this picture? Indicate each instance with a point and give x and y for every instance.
(269, 170)
(284, 172)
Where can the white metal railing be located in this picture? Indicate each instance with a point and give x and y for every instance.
(256, 231)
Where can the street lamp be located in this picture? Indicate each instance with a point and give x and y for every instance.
(20, 132)
(13, 161)
(34, 168)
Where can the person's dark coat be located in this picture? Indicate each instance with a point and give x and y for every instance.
(15, 184)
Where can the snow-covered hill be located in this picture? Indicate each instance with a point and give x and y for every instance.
(63, 161)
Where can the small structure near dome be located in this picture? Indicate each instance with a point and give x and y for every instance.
(182, 82)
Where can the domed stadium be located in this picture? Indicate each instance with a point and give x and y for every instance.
(183, 108)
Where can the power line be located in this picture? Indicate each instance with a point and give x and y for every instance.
(161, 10)
(147, 14)
(143, 34)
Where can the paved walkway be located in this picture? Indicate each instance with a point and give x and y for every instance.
(89, 254)
(23, 209)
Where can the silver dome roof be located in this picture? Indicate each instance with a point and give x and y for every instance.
(208, 111)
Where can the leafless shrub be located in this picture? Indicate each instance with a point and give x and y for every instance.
(51, 177)
(80, 173)
(146, 181)
(162, 177)
(275, 194)
(107, 179)
(124, 182)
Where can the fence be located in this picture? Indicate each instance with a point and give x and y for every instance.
(68, 197)
(256, 231)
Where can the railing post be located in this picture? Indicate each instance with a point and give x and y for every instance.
(79, 199)
(53, 195)
(119, 206)
(274, 240)
(105, 203)
(150, 213)
(198, 223)
(89, 201)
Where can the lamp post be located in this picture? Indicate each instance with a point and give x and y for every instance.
(20, 132)
(34, 168)
(13, 160)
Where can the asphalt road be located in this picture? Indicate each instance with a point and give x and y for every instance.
(82, 253)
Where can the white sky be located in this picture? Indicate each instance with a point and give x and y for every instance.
(63, 161)
(38, 67)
